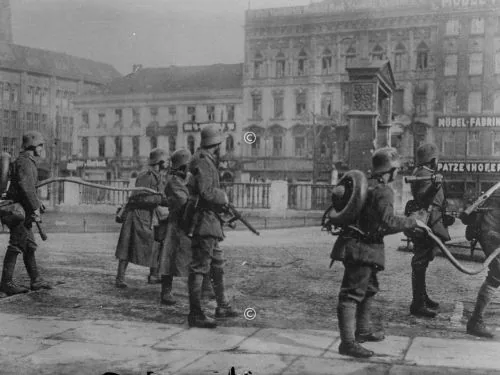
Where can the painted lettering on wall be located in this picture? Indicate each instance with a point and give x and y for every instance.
(468, 3)
(468, 121)
(197, 126)
(469, 167)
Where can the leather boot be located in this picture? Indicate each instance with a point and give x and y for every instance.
(207, 291)
(166, 290)
(223, 309)
(418, 306)
(37, 282)
(154, 277)
(120, 274)
(431, 304)
(196, 317)
(475, 325)
(346, 314)
(7, 285)
(364, 327)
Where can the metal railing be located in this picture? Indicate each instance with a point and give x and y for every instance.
(309, 197)
(91, 195)
(248, 195)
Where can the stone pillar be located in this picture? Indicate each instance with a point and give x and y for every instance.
(71, 194)
(278, 198)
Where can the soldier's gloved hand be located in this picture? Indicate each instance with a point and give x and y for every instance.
(437, 178)
(164, 201)
(36, 216)
(42, 208)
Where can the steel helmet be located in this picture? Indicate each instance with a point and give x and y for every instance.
(158, 155)
(210, 136)
(427, 152)
(32, 139)
(179, 158)
(384, 160)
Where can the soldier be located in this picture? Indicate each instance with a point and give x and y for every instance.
(136, 243)
(361, 248)
(489, 239)
(430, 196)
(207, 255)
(22, 189)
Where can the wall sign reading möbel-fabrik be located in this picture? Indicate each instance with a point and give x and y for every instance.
(469, 121)
(469, 167)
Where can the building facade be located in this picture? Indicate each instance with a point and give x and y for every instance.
(156, 107)
(296, 90)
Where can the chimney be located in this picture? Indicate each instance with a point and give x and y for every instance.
(136, 68)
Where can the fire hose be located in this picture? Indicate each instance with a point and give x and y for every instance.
(90, 184)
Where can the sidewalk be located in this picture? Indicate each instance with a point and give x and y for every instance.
(40, 345)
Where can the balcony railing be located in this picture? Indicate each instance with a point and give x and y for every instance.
(248, 195)
(90, 195)
(309, 197)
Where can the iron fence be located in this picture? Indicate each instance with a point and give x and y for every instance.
(91, 195)
(309, 197)
(248, 195)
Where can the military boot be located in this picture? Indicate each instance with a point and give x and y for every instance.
(223, 309)
(196, 317)
(120, 274)
(166, 290)
(364, 327)
(7, 285)
(154, 277)
(418, 306)
(433, 305)
(346, 314)
(37, 282)
(207, 291)
(475, 325)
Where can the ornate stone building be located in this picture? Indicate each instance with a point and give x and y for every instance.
(296, 92)
(156, 107)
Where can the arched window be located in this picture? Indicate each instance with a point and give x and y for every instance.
(190, 144)
(302, 63)
(153, 141)
(258, 63)
(229, 144)
(118, 147)
(422, 56)
(102, 147)
(350, 56)
(400, 58)
(171, 143)
(85, 147)
(280, 65)
(326, 62)
(135, 146)
(377, 53)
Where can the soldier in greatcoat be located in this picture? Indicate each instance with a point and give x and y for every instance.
(207, 256)
(429, 195)
(136, 243)
(22, 189)
(489, 239)
(361, 249)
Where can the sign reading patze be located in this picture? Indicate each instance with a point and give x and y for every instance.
(469, 167)
(197, 126)
(468, 121)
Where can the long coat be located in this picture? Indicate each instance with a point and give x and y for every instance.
(175, 253)
(489, 237)
(206, 185)
(377, 219)
(136, 243)
(23, 180)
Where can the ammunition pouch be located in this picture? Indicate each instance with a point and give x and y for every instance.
(11, 213)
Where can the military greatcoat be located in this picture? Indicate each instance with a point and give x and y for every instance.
(136, 243)
(175, 253)
(489, 237)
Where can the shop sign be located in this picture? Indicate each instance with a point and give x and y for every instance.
(469, 167)
(88, 163)
(197, 126)
(480, 121)
(468, 3)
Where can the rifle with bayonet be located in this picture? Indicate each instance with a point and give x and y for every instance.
(467, 216)
(235, 215)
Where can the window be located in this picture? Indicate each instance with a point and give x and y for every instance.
(14, 93)
(172, 113)
(102, 147)
(474, 144)
(257, 65)
(229, 144)
(496, 144)
(326, 105)
(136, 116)
(450, 65)
(300, 146)
(497, 62)
(135, 146)
(153, 111)
(102, 120)
(475, 102)
(450, 102)
(300, 104)
(452, 27)
(400, 58)
(421, 102)
(326, 62)
(29, 117)
(190, 144)
(6, 92)
(477, 25)
(496, 104)
(278, 107)
(118, 115)
(85, 119)
(255, 147)
(377, 53)
(422, 56)
(85, 147)
(350, 56)
(153, 142)
(211, 112)
(171, 143)
(256, 107)
(277, 145)
(36, 118)
(6, 116)
(118, 147)
(302, 63)
(44, 118)
(45, 97)
(191, 111)
(29, 95)
(230, 112)
(454, 144)
(280, 65)
(476, 63)
(13, 117)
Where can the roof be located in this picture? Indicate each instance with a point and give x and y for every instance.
(178, 78)
(35, 60)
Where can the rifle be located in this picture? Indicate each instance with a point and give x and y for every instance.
(191, 216)
(236, 215)
(410, 179)
(480, 201)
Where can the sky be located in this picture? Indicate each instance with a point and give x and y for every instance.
(153, 33)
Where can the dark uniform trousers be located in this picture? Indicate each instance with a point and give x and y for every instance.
(22, 238)
(489, 243)
(359, 282)
(206, 254)
(424, 251)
